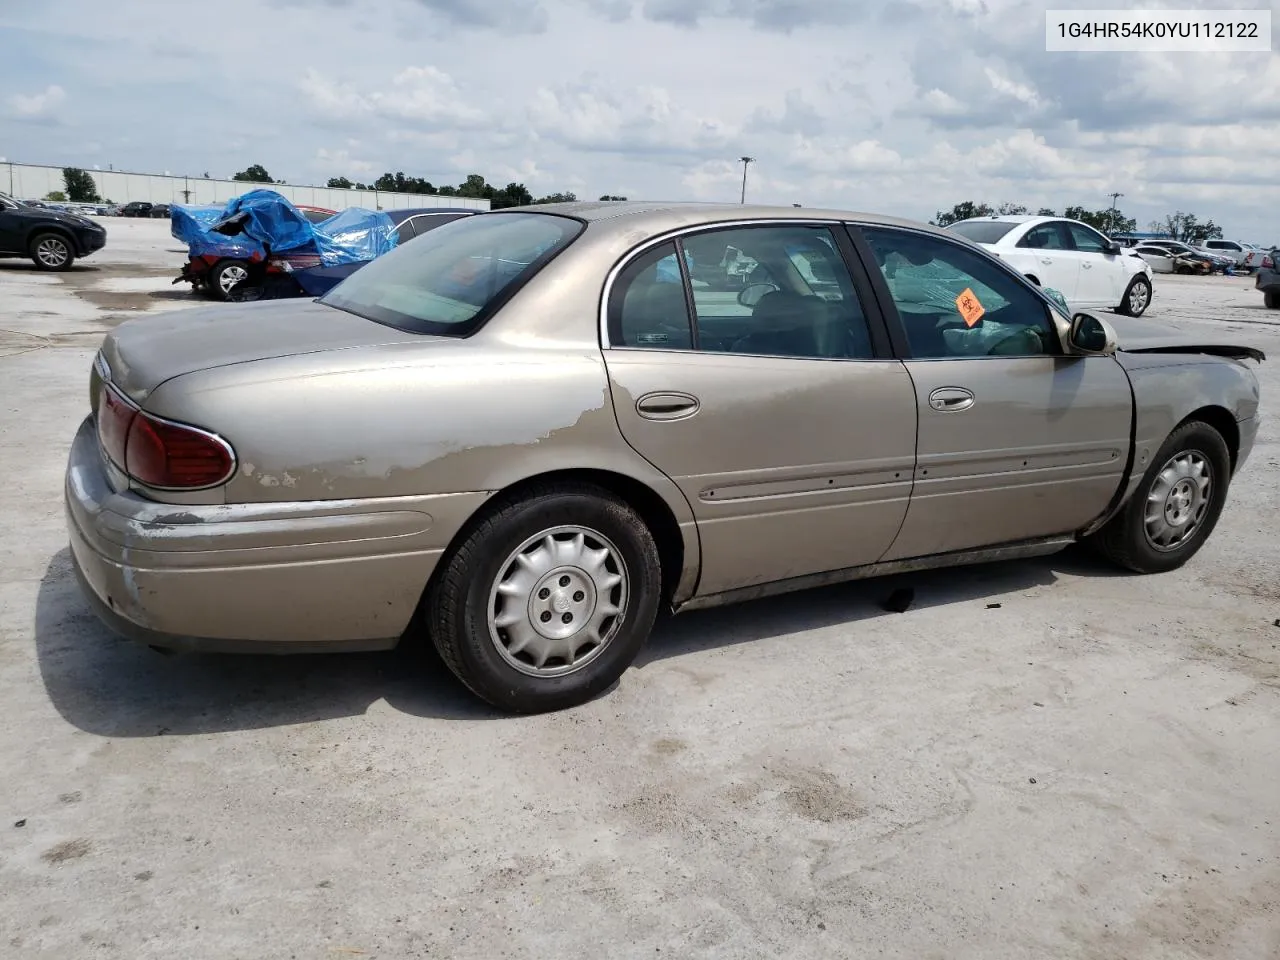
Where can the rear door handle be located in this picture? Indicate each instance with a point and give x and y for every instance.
(949, 399)
(1086, 264)
(667, 406)
(1046, 259)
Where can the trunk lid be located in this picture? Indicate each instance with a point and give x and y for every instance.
(141, 354)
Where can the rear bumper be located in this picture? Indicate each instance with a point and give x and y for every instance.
(262, 578)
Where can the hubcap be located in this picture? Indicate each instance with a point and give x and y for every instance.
(231, 276)
(558, 601)
(1138, 297)
(1179, 500)
(52, 252)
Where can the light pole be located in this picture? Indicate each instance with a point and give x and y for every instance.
(745, 161)
(1114, 197)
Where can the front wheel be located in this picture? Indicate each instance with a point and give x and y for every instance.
(548, 600)
(1176, 505)
(1137, 298)
(51, 251)
(1272, 299)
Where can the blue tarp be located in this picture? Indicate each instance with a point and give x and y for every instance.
(262, 219)
(187, 223)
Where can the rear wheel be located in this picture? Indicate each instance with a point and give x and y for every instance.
(51, 251)
(1272, 299)
(1137, 298)
(548, 600)
(225, 275)
(1176, 505)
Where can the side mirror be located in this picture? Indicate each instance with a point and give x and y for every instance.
(1112, 247)
(753, 293)
(1090, 336)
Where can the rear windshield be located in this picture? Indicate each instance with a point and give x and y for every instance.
(982, 231)
(449, 280)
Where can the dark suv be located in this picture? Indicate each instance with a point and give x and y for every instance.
(52, 239)
(138, 208)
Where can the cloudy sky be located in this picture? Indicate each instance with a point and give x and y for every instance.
(901, 107)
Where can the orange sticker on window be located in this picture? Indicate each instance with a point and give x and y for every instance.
(971, 310)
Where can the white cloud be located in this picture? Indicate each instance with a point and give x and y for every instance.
(903, 107)
(37, 106)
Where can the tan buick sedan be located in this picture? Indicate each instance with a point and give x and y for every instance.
(525, 432)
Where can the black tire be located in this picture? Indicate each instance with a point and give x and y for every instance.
(1272, 299)
(1127, 306)
(1124, 539)
(46, 248)
(459, 599)
(214, 284)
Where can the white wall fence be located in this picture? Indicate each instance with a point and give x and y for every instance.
(28, 181)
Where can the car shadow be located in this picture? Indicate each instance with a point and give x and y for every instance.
(17, 265)
(112, 687)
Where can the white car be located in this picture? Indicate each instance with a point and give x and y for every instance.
(1246, 255)
(1088, 269)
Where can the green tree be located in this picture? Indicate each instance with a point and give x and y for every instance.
(1106, 221)
(254, 173)
(341, 183)
(1046, 212)
(475, 186)
(81, 187)
(962, 211)
(1011, 210)
(512, 195)
(57, 196)
(1188, 228)
(609, 196)
(557, 198)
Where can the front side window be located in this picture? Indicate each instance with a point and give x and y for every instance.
(449, 280)
(953, 302)
(1086, 239)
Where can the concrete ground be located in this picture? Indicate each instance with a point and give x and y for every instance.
(1037, 759)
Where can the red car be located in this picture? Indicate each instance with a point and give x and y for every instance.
(218, 272)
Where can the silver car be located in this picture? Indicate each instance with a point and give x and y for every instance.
(526, 432)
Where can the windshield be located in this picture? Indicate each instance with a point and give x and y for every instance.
(448, 281)
(982, 231)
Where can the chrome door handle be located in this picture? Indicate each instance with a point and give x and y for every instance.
(949, 399)
(667, 406)
(1046, 259)
(1086, 264)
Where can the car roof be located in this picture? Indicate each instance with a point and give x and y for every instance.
(1013, 218)
(642, 219)
(400, 216)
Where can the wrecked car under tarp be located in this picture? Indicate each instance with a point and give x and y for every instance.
(260, 237)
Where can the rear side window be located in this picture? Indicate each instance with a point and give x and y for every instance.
(451, 279)
(1047, 236)
(982, 231)
(651, 310)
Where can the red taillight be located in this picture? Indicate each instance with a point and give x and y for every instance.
(115, 417)
(1268, 263)
(159, 453)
